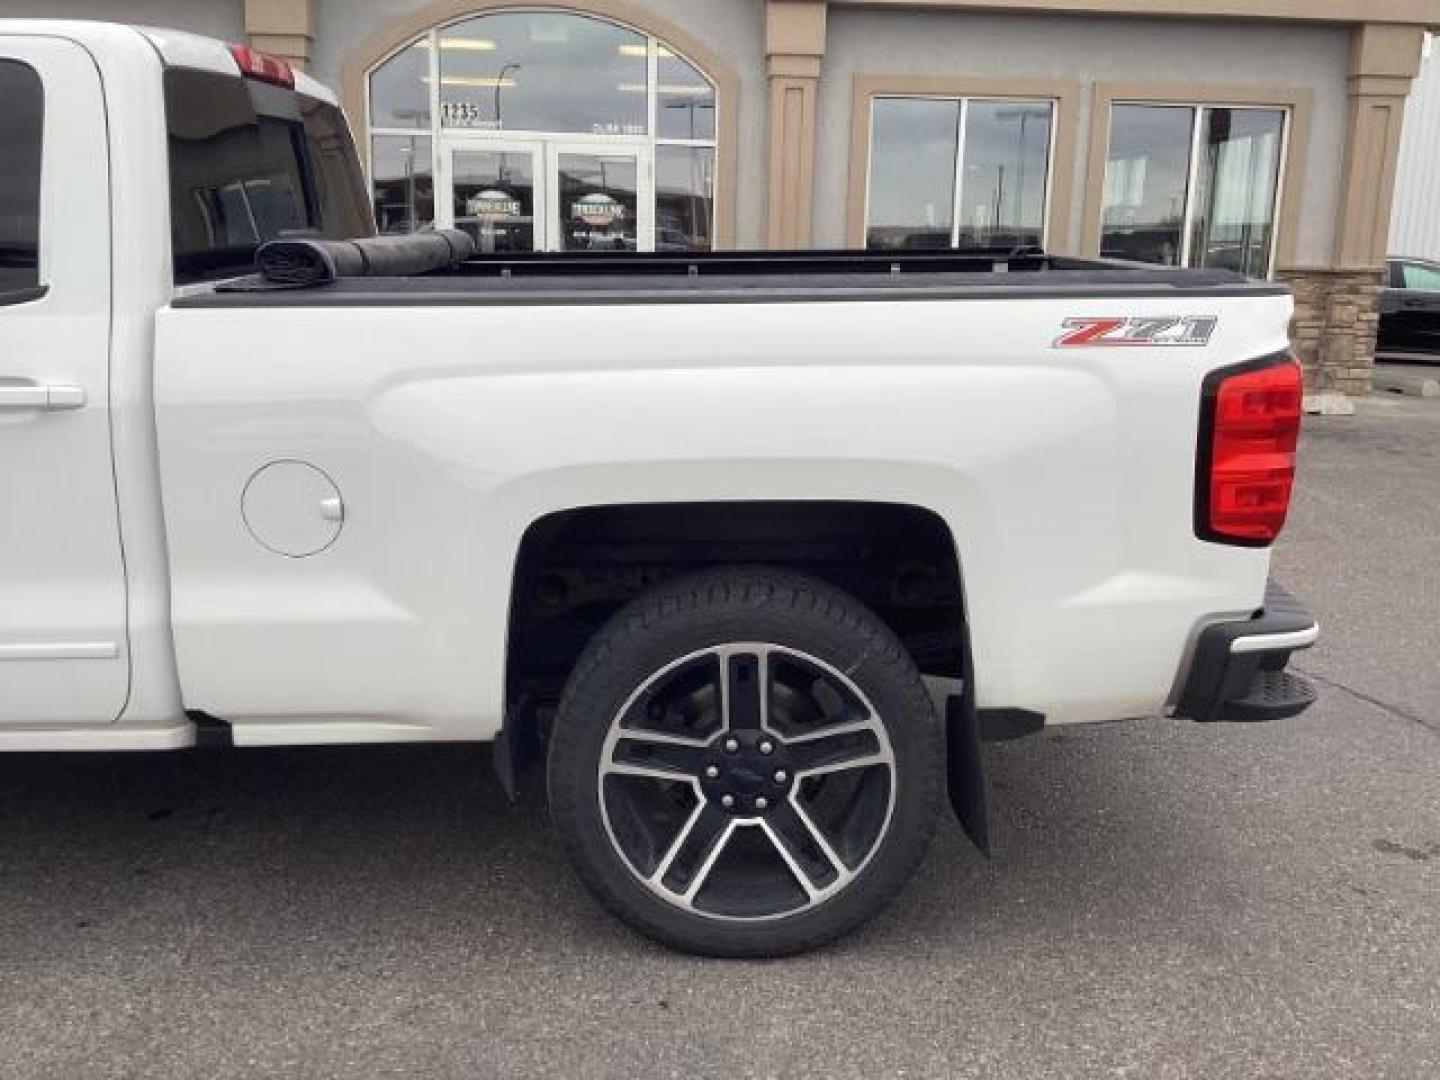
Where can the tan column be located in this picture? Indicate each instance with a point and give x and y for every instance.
(1383, 60)
(1337, 308)
(283, 28)
(794, 47)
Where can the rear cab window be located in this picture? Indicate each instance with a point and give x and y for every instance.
(251, 162)
(22, 124)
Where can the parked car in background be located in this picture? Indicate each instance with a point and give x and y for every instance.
(1410, 307)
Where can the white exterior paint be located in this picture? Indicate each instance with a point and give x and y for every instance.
(1415, 220)
(180, 48)
(1066, 480)
(61, 566)
(1065, 477)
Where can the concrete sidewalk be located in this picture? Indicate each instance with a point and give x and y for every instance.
(1409, 378)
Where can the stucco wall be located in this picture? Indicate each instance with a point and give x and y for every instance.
(1090, 49)
(215, 18)
(733, 29)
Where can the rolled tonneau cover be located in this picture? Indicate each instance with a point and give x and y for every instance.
(306, 261)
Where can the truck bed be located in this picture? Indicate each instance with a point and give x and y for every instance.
(741, 277)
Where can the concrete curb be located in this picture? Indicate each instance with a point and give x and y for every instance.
(1329, 403)
(1409, 383)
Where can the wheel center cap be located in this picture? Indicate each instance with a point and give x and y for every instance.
(744, 780)
(747, 772)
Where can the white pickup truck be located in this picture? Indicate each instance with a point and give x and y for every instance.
(753, 549)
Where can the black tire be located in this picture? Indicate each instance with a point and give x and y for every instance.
(809, 621)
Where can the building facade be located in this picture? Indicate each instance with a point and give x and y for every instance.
(1415, 223)
(1258, 135)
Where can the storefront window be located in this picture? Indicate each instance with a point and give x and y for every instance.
(684, 197)
(1193, 186)
(957, 172)
(600, 202)
(543, 71)
(912, 173)
(685, 100)
(403, 185)
(493, 196)
(1146, 178)
(1234, 215)
(556, 113)
(399, 91)
(1002, 190)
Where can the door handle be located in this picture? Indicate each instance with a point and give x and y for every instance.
(45, 398)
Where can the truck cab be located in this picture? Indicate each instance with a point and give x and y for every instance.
(93, 241)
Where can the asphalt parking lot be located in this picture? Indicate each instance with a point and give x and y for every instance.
(1165, 899)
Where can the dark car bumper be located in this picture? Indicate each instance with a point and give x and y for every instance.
(1238, 670)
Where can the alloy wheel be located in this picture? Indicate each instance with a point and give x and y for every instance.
(747, 781)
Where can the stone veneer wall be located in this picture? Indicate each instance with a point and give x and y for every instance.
(1336, 316)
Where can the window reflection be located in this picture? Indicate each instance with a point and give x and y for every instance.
(543, 71)
(685, 100)
(403, 187)
(599, 202)
(545, 84)
(246, 166)
(916, 157)
(912, 172)
(494, 196)
(1146, 175)
(684, 197)
(399, 97)
(1235, 197)
(1002, 194)
(1150, 210)
(22, 124)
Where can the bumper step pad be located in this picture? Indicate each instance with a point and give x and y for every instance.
(1271, 695)
(1251, 684)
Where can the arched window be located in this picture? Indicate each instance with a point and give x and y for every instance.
(544, 131)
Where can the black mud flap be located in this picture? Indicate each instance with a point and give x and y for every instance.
(967, 774)
(517, 749)
(507, 771)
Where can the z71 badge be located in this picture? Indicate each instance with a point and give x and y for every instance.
(1137, 330)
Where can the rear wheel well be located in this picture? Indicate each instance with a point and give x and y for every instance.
(576, 568)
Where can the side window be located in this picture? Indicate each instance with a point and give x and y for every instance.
(22, 113)
(1417, 276)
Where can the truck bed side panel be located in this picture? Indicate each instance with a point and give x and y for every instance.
(1065, 475)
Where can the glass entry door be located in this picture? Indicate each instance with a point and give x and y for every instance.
(603, 200)
(495, 194)
(516, 195)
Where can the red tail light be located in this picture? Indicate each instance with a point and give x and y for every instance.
(255, 64)
(1249, 425)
